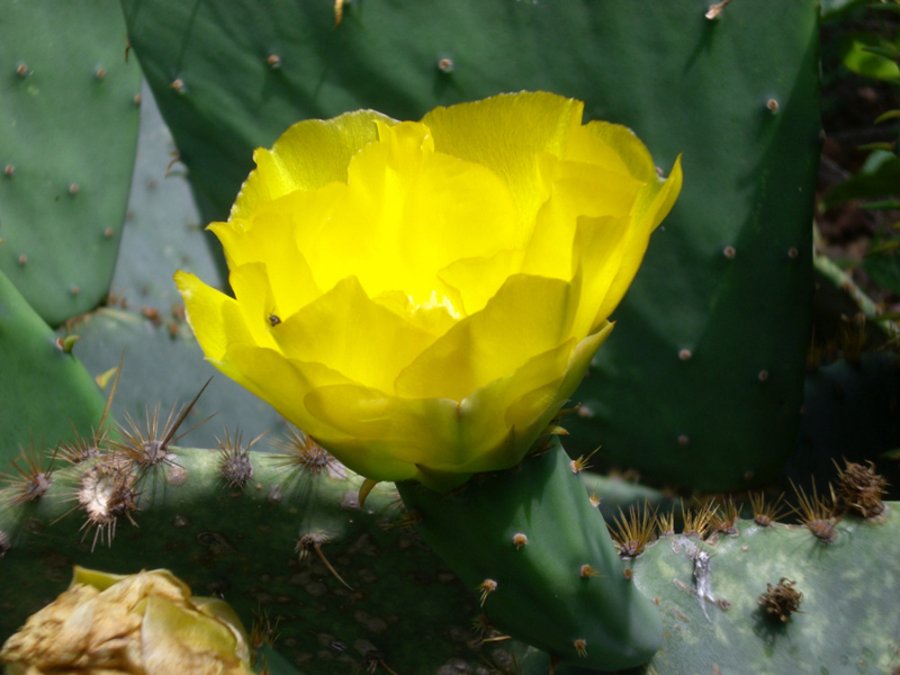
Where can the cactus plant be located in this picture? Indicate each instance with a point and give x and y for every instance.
(545, 564)
(770, 599)
(283, 538)
(714, 615)
(67, 140)
(46, 393)
(283, 543)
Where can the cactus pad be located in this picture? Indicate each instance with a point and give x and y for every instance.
(68, 128)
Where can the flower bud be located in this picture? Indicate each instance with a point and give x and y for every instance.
(140, 623)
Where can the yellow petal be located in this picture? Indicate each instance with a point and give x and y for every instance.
(180, 639)
(493, 431)
(307, 156)
(215, 318)
(507, 134)
(429, 440)
(613, 147)
(256, 300)
(579, 362)
(580, 358)
(350, 334)
(578, 191)
(664, 196)
(283, 383)
(600, 249)
(507, 416)
(528, 316)
(533, 389)
(410, 212)
(433, 318)
(477, 279)
(653, 205)
(384, 437)
(281, 235)
(585, 190)
(432, 440)
(218, 323)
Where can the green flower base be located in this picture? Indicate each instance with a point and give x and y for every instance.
(532, 544)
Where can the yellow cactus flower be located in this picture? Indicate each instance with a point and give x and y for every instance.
(422, 297)
(139, 623)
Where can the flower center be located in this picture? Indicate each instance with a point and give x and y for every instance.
(435, 301)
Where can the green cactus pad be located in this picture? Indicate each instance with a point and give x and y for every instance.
(68, 127)
(847, 619)
(46, 394)
(532, 544)
(711, 340)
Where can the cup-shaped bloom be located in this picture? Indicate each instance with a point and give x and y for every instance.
(422, 297)
(138, 623)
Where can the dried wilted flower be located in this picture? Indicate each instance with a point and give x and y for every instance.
(140, 623)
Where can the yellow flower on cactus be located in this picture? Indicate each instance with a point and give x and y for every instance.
(423, 297)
